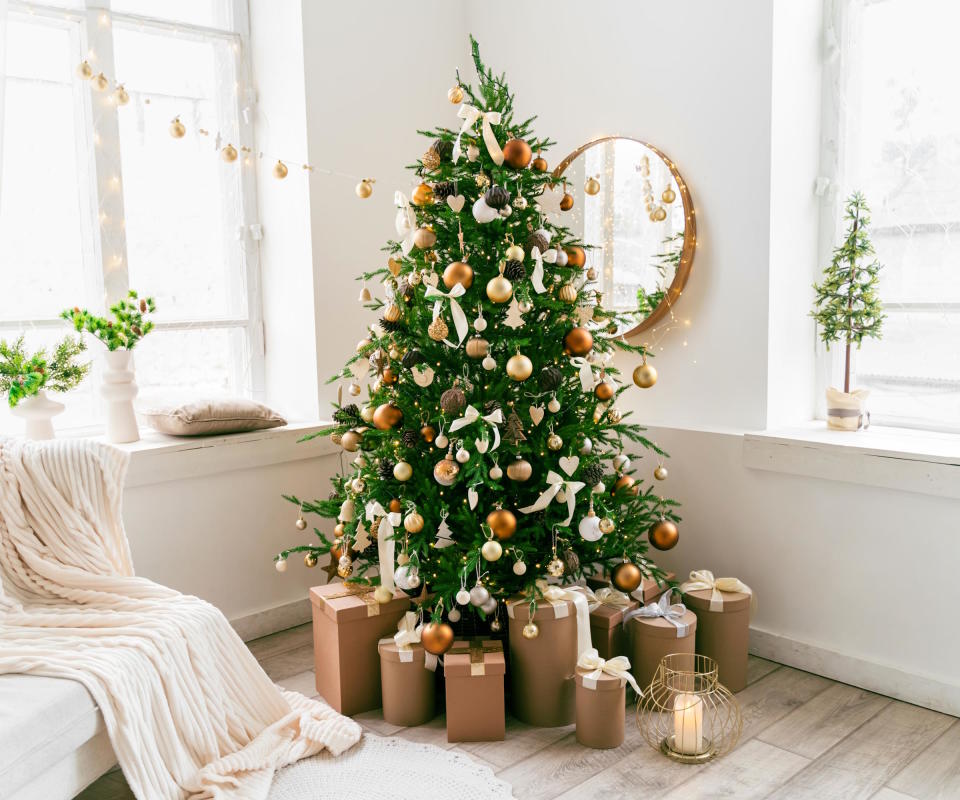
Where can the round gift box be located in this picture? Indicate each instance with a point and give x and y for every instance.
(409, 688)
(723, 635)
(601, 716)
(652, 638)
(542, 669)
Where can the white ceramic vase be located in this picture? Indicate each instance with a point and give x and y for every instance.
(119, 390)
(38, 411)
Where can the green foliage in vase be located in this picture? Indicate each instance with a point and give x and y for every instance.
(23, 375)
(591, 432)
(847, 307)
(127, 327)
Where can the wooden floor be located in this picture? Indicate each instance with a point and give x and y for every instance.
(803, 737)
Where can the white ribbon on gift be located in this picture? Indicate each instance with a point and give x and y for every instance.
(538, 258)
(408, 633)
(470, 115)
(671, 612)
(608, 596)
(405, 222)
(618, 667)
(703, 579)
(585, 370)
(459, 318)
(385, 543)
(555, 483)
(556, 596)
(471, 415)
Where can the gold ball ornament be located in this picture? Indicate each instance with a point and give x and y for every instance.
(519, 367)
(438, 330)
(660, 473)
(614, 415)
(496, 625)
(120, 96)
(429, 433)
(576, 256)
(554, 442)
(350, 441)
(413, 522)
(592, 186)
(568, 293)
(300, 524)
(455, 95)
(539, 164)
(477, 347)
(84, 70)
(517, 153)
(607, 525)
(519, 470)
(392, 313)
(366, 413)
(458, 272)
(310, 560)
(566, 202)
(402, 471)
(626, 484)
(591, 274)
(514, 253)
(422, 195)
(280, 171)
(445, 472)
(364, 189)
(100, 82)
(387, 416)
(555, 567)
(499, 289)
(668, 195)
(579, 341)
(177, 129)
(436, 638)
(604, 390)
(345, 567)
(531, 630)
(382, 594)
(424, 238)
(491, 550)
(659, 215)
(664, 535)
(626, 576)
(502, 522)
(645, 375)
(229, 154)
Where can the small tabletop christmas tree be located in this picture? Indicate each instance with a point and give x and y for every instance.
(494, 457)
(847, 307)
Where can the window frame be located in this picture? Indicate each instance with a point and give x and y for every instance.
(101, 164)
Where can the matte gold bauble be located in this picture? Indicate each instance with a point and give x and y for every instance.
(436, 637)
(229, 154)
(382, 594)
(626, 484)
(350, 441)
(645, 375)
(578, 341)
(659, 215)
(300, 524)
(604, 390)
(627, 577)
(607, 525)
(555, 567)
(491, 550)
(387, 416)
(177, 129)
(310, 560)
(339, 530)
(477, 347)
(519, 367)
(515, 253)
(455, 95)
(502, 522)
(438, 330)
(568, 293)
(539, 164)
(660, 473)
(499, 289)
(100, 82)
(458, 272)
(413, 522)
(120, 96)
(566, 202)
(592, 186)
(519, 470)
(429, 433)
(668, 195)
(402, 471)
(576, 256)
(392, 313)
(345, 567)
(445, 472)
(531, 630)
(517, 153)
(614, 415)
(664, 535)
(395, 505)
(554, 442)
(84, 70)
(591, 274)
(366, 413)
(422, 195)
(364, 189)
(280, 170)
(424, 238)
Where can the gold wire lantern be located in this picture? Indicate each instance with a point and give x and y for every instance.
(686, 713)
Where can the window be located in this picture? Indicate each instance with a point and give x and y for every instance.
(98, 197)
(893, 131)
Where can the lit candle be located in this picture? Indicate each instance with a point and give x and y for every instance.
(688, 724)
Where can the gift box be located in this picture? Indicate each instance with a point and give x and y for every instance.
(600, 701)
(723, 624)
(347, 626)
(408, 679)
(648, 591)
(606, 621)
(542, 668)
(650, 638)
(473, 671)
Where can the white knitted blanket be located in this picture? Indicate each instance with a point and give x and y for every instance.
(188, 709)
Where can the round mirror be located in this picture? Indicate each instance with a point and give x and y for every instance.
(633, 208)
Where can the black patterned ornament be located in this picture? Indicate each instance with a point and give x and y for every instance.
(496, 197)
(550, 378)
(411, 358)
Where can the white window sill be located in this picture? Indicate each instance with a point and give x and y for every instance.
(158, 458)
(896, 458)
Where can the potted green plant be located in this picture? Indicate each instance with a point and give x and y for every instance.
(120, 335)
(847, 308)
(26, 378)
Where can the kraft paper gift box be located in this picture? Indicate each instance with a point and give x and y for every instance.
(473, 671)
(651, 638)
(409, 680)
(606, 626)
(347, 625)
(601, 709)
(648, 591)
(723, 624)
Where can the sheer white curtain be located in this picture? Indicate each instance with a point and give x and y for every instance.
(3, 76)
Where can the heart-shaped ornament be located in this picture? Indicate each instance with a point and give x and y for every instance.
(422, 376)
(431, 279)
(456, 201)
(569, 464)
(536, 414)
(482, 445)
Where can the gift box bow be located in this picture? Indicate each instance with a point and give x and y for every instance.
(408, 634)
(618, 667)
(671, 612)
(701, 579)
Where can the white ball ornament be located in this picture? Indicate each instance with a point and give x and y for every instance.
(482, 213)
(519, 202)
(554, 405)
(489, 363)
(281, 564)
(589, 528)
(441, 441)
(480, 324)
(495, 472)
(491, 550)
(519, 568)
(402, 471)
(587, 447)
(562, 257)
(490, 606)
(621, 462)
(479, 595)
(453, 615)
(463, 597)
(407, 577)
(463, 455)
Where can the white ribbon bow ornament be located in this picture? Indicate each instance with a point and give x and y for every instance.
(619, 667)
(703, 579)
(555, 483)
(671, 612)
(405, 222)
(470, 115)
(385, 543)
(459, 318)
(471, 415)
(585, 370)
(538, 258)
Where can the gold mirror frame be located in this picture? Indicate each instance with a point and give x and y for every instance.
(689, 229)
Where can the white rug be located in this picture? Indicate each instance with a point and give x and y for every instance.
(388, 769)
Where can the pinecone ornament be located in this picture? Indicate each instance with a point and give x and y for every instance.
(537, 240)
(514, 271)
(592, 475)
(443, 190)
(388, 326)
(386, 469)
(410, 437)
(347, 415)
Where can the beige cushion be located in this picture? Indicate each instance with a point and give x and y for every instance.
(204, 417)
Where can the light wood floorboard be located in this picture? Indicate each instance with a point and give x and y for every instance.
(935, 773)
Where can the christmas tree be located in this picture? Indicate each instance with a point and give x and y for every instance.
(490, 449)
